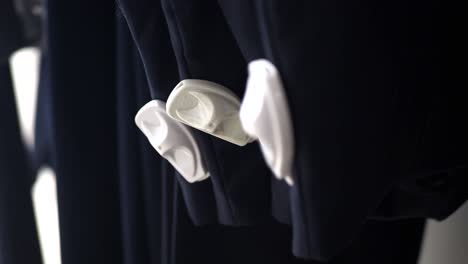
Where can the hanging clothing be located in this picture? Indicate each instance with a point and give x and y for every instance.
(380, 115)
(19, 241)
(379, 145)
(189, 44)
(79, 105)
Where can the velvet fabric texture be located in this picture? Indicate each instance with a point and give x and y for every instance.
(377, 111)
(198, 33)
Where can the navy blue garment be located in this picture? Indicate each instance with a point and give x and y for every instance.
(181, 241)
(402, 239)
(150, 32)
(153, 229)
(399, 240)
(18, 235)
(243, 22)
(206, 49)
(132, 199)
(144, 206)
(81, 111)
(43, 152)
(149, 29)
(383, 113)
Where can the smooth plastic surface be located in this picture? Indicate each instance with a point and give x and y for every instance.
(264, 115)
(209, 107)
(172, 140)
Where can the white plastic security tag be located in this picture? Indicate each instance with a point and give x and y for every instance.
(209, 107)
(264, 114)
(172, 140)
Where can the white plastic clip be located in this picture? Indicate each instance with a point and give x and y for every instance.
(264, 114)
(172, 140)
(209, 107)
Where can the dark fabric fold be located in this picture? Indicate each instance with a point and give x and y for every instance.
(206, 49)
(82, 97)
(370, 77)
